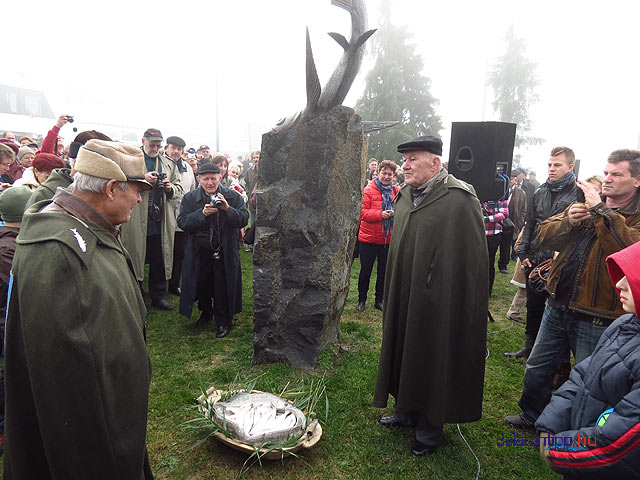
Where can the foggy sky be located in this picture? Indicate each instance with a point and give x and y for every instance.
(155, 64)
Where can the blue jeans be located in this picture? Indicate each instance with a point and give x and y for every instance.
(559, 332)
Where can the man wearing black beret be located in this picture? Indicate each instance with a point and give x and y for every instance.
(212, 216)
(436, 301)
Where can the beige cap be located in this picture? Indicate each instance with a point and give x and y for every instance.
(112, 160)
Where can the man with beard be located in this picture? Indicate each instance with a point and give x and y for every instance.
(435, 301)
(212, 216)
(149, 234)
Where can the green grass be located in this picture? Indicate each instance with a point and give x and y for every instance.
(187, 359)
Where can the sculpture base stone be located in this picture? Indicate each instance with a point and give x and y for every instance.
(308, 210)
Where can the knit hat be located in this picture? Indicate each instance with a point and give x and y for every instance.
(46, 162)
(24, 151)
(13, 202)
(112, 160)
(626, 262)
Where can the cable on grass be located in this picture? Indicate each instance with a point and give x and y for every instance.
(472, 452)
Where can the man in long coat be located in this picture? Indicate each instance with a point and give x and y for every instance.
(436, 301)
(211, 260)
(77, 367)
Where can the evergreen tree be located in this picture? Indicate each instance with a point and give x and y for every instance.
(396, 90)
(513, 79)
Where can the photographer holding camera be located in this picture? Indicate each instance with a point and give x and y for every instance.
(211, 216)
(149, 236)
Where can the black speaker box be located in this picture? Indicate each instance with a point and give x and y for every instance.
(481, 154)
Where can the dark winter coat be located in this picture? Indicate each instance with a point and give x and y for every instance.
(191, 220)
(7, 250)
(371, 230)
(77, 368)
(436, 303)
(609, 378)
(544, 205)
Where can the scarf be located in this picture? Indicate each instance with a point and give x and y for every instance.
(387, 204)
(418, 194)
(559, 185)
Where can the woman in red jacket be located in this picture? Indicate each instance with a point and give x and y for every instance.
(376, 224)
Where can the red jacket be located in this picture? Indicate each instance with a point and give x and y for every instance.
(371, 230)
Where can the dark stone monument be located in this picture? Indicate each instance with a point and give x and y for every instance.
(308, 209)
(310, 193)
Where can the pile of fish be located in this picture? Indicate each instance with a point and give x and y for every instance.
(258, 417)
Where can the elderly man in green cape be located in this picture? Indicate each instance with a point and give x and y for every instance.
(77, 368)
(436, 301)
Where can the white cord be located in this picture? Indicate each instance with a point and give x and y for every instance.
(469, 447)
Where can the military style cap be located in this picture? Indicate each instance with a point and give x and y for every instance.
(427, 143)
(208, 167)
(13, 202)
(176, 141)
(112, 160)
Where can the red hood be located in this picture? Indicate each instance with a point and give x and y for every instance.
(626, 262)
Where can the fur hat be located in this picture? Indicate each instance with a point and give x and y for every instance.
(13, 202)
(112, 160)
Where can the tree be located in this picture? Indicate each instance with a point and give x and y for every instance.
(514, 80)
(396, 90)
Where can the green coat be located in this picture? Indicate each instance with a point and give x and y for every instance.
(77, 368)
(435, 306)
(60, 177)
(134, 233)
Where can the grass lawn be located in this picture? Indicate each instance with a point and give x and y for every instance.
(187, 359)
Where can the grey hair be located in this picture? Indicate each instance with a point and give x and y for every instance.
(88, 183)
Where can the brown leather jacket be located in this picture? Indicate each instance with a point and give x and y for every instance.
(610, 230)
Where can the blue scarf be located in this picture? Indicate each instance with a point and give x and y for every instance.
(387, 204)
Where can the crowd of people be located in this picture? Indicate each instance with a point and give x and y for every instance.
(97, 205)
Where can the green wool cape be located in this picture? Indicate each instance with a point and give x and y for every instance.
(77, 368)
(435, 306)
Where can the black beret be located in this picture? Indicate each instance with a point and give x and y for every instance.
(176, 141)
(208, 167)
(427, 143)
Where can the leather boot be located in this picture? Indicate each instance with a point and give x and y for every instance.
(524, 352)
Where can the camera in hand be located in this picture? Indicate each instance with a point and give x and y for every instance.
(70, 118)
(160, 176)
(215, 201)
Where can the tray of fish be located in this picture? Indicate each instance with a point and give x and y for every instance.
(258, 419)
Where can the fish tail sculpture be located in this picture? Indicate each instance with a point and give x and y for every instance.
(322, 100)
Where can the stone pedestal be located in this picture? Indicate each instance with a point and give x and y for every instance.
(308, 211)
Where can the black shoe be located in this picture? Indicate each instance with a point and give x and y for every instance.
(161, 304)
(175, 291)
(378, 305)
(419, 449)
(519, 421)
(503, 270)
(389, 421)
(361, 306)
(223, 331)
(205, 318)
